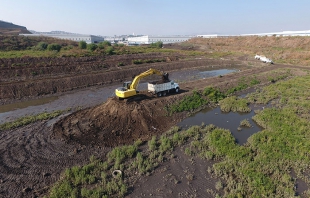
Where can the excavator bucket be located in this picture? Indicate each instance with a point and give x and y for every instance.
(165, 77)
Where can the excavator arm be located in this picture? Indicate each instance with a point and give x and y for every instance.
(149, 72)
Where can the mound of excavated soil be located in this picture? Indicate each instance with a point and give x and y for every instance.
(115, 122)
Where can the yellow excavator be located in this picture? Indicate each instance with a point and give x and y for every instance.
(129, 87)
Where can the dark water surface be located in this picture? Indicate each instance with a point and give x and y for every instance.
(220, 119)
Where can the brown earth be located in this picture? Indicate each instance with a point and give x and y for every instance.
(32, 77)
(289, 50)
(33, 156)
(116, 122)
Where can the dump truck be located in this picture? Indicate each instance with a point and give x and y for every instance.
(163, 88)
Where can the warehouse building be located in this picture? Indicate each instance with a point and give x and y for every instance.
(153, 39)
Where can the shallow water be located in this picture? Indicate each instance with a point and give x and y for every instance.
(20, 105)
(224, 120)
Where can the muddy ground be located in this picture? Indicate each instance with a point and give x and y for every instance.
(33, 156)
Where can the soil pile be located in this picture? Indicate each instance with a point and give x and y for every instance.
(115, 123)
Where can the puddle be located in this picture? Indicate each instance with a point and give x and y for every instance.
(212, 73)
(220, 119)
(21, 105)
(186, 75)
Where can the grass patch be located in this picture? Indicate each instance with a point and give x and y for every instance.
(29, 119)
(234, 104)
(188, 103)
(245, 123)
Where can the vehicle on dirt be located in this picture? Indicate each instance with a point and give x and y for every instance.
(263, 59)
(266, 60)
(160, 88)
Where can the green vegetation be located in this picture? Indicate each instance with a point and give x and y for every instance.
(41, 46)
(158, 44)
(54, 47)
(29, 119)
(82, 45)
(18, 46)
(92, 46)
(213, 94)
(241, 86)
(197, 100)
(245, 123)
(189, 102)
(234, 104)
(140, 61)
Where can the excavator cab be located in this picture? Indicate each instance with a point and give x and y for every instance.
(127, 84)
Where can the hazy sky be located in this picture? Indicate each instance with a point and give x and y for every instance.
(158, 17)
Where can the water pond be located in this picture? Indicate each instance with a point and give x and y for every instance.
(221, 119)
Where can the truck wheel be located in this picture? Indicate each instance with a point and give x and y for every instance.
(164, 93)
(159, 94)
(177, 90)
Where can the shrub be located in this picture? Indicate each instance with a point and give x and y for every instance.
(245, 123)
(158, 44)
(234, 104)
(92, 46)
(41, 46)
(213, 94)
(82, 45)
(241, 85)
(137, 61)
(152, 143)
(109, 50)
(54, 47)
(106, 43)
(120, 64)
(189, 103)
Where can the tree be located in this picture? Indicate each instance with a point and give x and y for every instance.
(82, 45)
(54, 47)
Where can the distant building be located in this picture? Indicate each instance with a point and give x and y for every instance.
(153, 39)
(284, 33)
(72, 37)
(213, 36)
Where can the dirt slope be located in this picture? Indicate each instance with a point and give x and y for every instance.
(115, 122)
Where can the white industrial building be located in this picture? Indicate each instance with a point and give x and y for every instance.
(72, 37)
(213, 36)
(284, 33)
(153, 39)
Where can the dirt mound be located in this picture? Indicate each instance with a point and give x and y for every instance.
(114, 123)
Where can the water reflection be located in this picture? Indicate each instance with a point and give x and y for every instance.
(20, 105)
(220, 119)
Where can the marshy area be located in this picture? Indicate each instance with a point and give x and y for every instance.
(272, 160)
